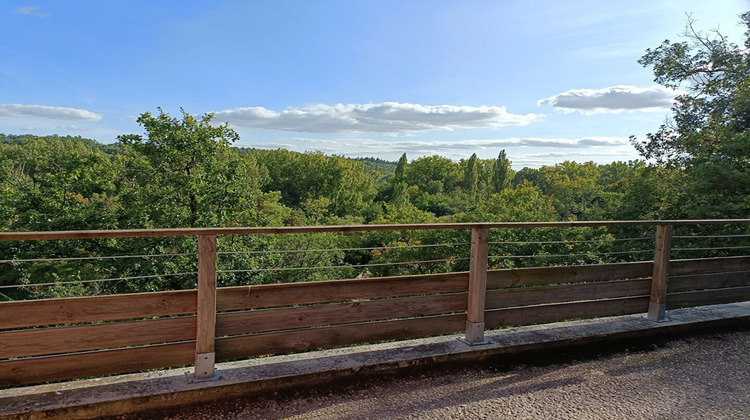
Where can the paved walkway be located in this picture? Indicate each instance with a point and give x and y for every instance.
(704, 377)
(261, 377)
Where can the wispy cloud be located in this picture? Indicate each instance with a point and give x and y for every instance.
(386, 117)
(613, 100)
(45, 111)
(31, 10)
(73, 127)
(391, 149)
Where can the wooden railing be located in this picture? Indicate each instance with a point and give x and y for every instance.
(58, 339)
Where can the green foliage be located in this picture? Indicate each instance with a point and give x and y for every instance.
(502, 174)
(709, 133)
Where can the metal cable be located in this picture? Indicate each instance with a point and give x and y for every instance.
(291, 251)
(573, 242)
(337, 266)
(592, 254)
(711, 237)
(94, 258)
(10, 286)
(710, 249)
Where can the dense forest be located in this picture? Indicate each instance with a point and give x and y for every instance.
(185, 172)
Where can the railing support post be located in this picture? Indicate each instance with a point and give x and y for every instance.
(657, 306)
(206, 317)
(477, 286)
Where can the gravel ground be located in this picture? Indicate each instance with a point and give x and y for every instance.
(705, 377)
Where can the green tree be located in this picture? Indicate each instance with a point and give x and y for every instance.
(471, 175)
(708, 134)
(502, 174)
(400, 173)
(186, 172)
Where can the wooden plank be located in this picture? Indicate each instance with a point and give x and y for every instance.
(708, 297)
(301, 340)
(270, 295)
(657, 303)
(143, 233)
(540, 276)
(477, 274)
(31, 313)
(264, 320)
(206, 328)
(523, 296)
(80, 365)
(565, 311)
(708, 281)
(709, 265)
(95, 337)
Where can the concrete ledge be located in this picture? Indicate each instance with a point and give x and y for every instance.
(125, 394)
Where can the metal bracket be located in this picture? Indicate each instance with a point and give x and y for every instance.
(204, 369)
(657, 312)
(474, 334)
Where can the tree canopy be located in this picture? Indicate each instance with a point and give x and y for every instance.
(708, 134)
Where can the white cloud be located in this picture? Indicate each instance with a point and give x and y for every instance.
(613, 99)
(386, 117)
(73, 127)
(486, 148)
(44, 111)
(31, 10)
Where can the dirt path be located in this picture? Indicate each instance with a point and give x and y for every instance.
(705, 377)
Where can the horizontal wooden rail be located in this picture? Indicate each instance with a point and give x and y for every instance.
(707, 297)
(150, 233)
(565, 311)
(307, 339)
(247, 322)
(36, 342)
(525, 296)
(271, 295)
(539, 276)
(33, 313)
(709, 265)
(78, 365)
(708, 281)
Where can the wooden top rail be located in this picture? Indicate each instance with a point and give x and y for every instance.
(146, 233)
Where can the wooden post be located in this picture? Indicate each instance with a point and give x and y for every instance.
(477, 286)
(206, 316)
(657, 306)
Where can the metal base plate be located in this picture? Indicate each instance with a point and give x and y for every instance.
(191, 377)
(474, 343)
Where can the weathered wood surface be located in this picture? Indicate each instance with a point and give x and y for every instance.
(567, 274)
(708, 281)
(147, 233)
(657, 307)
(270, 295)
(206, 316)
(263, 320)
(36, 342)
(306, 339)
(53, 368)
(477, 274)
(523, 296)
(707, 297)
(564, 311)
(709, 265)
(31, 313)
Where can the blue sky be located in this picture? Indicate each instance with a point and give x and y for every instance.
(545, 80)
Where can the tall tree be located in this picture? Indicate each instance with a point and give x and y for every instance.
(400, 174)
(502, 174)
(708, 134)
(189, 172)
(471, 175)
